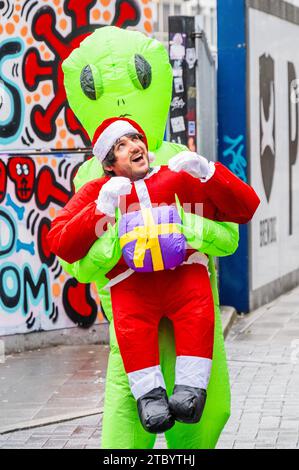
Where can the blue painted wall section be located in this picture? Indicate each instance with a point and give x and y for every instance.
(231, 84)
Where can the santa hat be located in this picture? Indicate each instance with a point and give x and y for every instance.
(110, 130)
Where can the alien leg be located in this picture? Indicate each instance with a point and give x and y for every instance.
(205, 434)
(122, 428)
(137, 312)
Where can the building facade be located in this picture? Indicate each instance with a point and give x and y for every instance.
(205, 8)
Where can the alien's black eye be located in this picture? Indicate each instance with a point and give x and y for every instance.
(91, 82)
(140, 72)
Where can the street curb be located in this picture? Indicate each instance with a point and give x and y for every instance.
(228, 316)
(36, 423)
(74, 336)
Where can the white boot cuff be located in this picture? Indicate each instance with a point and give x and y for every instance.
(193, 371)
(144, 380)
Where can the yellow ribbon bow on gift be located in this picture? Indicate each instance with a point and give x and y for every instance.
(147, 238)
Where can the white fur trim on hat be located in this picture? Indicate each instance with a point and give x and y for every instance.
(110, 135)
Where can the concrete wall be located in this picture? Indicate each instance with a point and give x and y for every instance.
(258, 129)
(273, 131)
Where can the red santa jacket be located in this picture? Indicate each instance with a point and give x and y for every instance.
(224, 197)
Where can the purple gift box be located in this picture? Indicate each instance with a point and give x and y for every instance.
(172, 245)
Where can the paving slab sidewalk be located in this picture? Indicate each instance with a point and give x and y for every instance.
(51, 385)
(263, 357)
(57, 384)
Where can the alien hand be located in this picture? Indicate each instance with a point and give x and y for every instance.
(109, 194)
(192, 163)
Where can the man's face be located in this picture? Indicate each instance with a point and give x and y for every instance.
(131, 158)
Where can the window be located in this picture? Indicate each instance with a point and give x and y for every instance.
(177, 10)
(213, 26)
(156, 22)
(166, 13)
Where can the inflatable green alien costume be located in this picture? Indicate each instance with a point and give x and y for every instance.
(117, 72)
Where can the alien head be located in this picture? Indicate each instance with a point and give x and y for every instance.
(117, 72)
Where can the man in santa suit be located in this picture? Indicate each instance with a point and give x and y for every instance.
(159, 275)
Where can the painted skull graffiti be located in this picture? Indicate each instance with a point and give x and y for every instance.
(22, 172)
(3, 181)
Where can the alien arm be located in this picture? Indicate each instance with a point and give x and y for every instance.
(214, 238)
(208, 236)
(100, 259)
(89, 170)
(83, 271)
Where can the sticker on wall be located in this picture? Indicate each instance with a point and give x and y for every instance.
(177, 68)
(177, 72)
(178, 124)
(190, 57)
(191, 128)
(177, 64)
(191, 93)
(178, 85)
(177, 47)
(177, 140)
(177, 103)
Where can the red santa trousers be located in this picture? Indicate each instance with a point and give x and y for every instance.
(139, 302)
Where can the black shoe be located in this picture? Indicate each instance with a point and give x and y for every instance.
(187, 403)
(154, 411)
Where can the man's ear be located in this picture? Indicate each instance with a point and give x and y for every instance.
(108, 167)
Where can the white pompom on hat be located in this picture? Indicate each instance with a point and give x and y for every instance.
(151, 157)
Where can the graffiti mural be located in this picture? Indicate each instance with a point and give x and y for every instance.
(37, 36)
(34, 291)
(38, 161)
(234, 157)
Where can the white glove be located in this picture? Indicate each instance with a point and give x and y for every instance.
(109, 194)
(192, 163)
